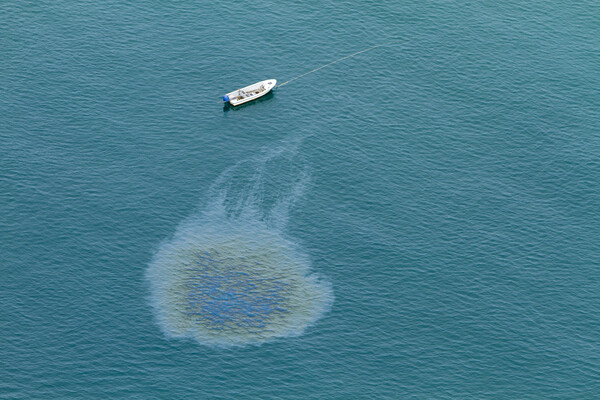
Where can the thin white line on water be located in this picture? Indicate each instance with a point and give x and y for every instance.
(333, 62)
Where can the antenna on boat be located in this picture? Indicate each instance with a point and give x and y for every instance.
(328, 64)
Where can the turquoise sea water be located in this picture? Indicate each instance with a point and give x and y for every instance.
(418, 221)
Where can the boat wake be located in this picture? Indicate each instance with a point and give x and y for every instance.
(229, 276)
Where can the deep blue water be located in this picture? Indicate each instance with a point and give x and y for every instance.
(427, 213)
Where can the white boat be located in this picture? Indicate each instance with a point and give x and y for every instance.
(249, 93)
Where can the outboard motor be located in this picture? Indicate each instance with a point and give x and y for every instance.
(226, 98)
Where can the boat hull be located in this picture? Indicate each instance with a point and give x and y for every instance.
(250, 92)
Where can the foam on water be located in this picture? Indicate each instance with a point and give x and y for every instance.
(230, 275)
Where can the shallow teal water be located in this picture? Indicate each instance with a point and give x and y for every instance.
(445, 188)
